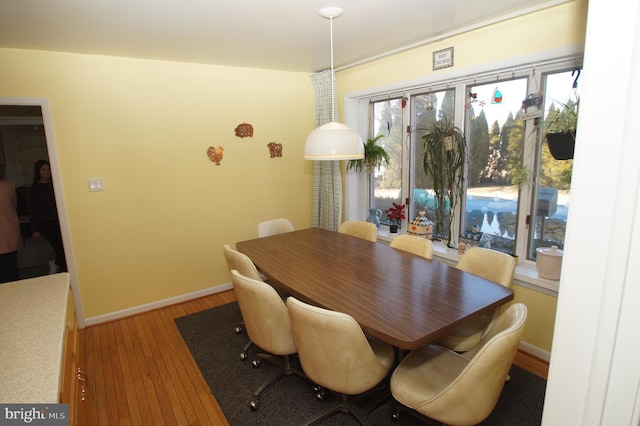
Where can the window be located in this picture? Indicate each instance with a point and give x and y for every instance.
(386, 182)
(553, 183)
(516, 193)
(427, 109)
(495, 139)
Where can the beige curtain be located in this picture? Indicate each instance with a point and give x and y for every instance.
(326, 211)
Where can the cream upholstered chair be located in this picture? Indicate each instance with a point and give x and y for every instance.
(336, 355)
(360, 229)
(241, 263)
(268, 326)
(460, 389)
(274, 226)
(491, 265)
(413, 244)
(244, 265)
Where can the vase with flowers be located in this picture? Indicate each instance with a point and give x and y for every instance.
(395, 214)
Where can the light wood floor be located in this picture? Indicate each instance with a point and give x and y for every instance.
(142, 373)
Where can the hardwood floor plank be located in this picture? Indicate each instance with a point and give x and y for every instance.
(187, 370)
(118, 374)
(164, 357)
(116, 403)
(138, 405)
(108, 374)
(155, 387)
(168, 378)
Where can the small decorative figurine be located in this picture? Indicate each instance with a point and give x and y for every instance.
(421, 226)
(275, 149)
(244, 130)
(215, 154)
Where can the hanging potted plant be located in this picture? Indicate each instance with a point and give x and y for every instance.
(560, 130)
(443, 162)
(395, 214)
(374, 157)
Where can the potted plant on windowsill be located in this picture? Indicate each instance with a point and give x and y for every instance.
(444, 158)
(560, 130)
(395, 214)
(374, 157)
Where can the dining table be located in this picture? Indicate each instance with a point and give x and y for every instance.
(398, 297)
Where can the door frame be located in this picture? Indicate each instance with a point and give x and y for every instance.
(47, 122)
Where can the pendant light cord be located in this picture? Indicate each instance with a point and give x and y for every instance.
(333, 116)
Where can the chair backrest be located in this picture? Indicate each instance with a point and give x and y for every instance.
(274, 226)
(264, 314)
(241, 263)
(472, 396)
(333, 350)
(489, 264)
(413, 244)
(360, 229)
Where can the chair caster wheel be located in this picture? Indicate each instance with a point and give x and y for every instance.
(254, 405)
(256, 363)
(243, 356)
(238, 330)
(321, 395)
(395, 416)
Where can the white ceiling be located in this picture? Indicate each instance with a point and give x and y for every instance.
(278, 34)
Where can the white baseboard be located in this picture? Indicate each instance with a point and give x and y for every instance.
(155, 305)
(535, 351)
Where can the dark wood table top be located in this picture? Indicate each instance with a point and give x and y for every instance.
(398, 297)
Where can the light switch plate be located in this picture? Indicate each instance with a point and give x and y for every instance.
(95, 184)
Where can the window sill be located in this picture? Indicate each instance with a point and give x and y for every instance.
(526, 274)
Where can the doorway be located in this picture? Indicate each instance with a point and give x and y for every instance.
(23, 141)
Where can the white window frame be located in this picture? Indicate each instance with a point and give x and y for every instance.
(356, 106)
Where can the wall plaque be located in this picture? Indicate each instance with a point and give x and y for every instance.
(443, 58)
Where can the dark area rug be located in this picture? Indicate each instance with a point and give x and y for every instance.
(216, 349)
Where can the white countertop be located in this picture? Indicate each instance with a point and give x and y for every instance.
(32, 326)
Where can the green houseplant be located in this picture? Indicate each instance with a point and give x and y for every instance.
(374, 157)
(560, 130)
(443, 162)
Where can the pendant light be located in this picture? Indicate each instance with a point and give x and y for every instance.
(333, 141)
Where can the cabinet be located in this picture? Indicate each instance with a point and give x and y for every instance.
(74, 383)
(42, 351)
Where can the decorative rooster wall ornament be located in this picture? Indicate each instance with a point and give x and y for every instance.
(215, 154)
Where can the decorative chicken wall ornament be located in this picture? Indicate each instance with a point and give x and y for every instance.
(215, 154)
(244, 130)
(275, 149)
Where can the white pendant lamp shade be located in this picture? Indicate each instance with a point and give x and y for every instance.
(333, 141)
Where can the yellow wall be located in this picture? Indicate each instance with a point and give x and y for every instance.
(541, 316)
(556, 27)
(144, 126)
